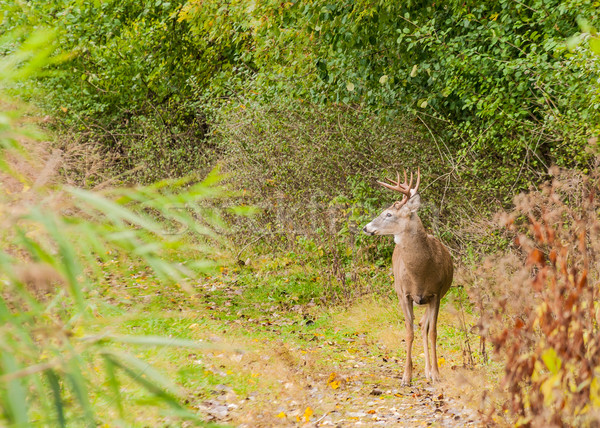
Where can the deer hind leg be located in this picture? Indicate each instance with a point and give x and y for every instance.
(407, 308)
(430, 338)
(425, 328)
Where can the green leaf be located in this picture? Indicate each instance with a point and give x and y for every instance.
(56, 395)
(115, 212)
(16, 393)
(551, 360)
(595, 45)
(114, 385)
(145, 375)
(155, 341)
(80, 391)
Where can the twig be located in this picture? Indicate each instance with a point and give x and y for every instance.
(321, 418)
(250, 243)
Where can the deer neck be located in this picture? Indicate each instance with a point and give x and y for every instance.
(412, 235)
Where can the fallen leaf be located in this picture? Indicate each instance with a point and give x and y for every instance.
(282, 415)
(308, 413)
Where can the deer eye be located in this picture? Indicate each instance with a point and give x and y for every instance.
(388, 215)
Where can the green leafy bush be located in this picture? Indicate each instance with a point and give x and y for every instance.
(492, 82)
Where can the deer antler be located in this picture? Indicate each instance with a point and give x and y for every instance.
(404, 188)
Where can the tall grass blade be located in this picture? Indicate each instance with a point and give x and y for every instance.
(80, 391)
(113, 383)
(16, 392)
(58, 403)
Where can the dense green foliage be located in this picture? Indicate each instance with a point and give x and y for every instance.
(494, 81)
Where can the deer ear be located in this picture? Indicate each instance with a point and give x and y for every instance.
(414, 203)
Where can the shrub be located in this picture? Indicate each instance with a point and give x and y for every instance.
(539, 305)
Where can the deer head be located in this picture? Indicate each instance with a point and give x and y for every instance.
(392, 221)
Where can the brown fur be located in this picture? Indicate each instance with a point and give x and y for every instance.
(423, 272)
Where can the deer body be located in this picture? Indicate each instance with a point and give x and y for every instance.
(422, 268)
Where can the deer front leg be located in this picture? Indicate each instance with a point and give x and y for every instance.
(407, 308)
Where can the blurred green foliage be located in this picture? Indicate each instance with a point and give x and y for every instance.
(61, 364)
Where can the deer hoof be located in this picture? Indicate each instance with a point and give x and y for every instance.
(405, 382)
(434, 377)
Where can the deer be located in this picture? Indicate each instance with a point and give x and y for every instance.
(422, 268)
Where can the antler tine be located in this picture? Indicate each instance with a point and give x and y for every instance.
(406, 187)
(418, 179)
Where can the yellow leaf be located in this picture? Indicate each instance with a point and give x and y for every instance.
(595, 393)
(414, 70)
(441, 361)
(282, 415)
(552, 360)
(308, 413)
(193, 326)
(335, 384)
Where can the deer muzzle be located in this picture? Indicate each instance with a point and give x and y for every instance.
(367, 231)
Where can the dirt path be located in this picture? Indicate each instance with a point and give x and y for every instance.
(363, 391)
(316, 379)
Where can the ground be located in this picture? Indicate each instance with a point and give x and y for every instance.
(278, 363)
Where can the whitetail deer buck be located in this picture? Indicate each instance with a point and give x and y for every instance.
(422, 269)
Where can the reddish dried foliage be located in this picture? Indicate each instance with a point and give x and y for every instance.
(541, 313)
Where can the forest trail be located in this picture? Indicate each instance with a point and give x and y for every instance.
(306, 374)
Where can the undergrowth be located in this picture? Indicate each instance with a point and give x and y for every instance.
(538, 304)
